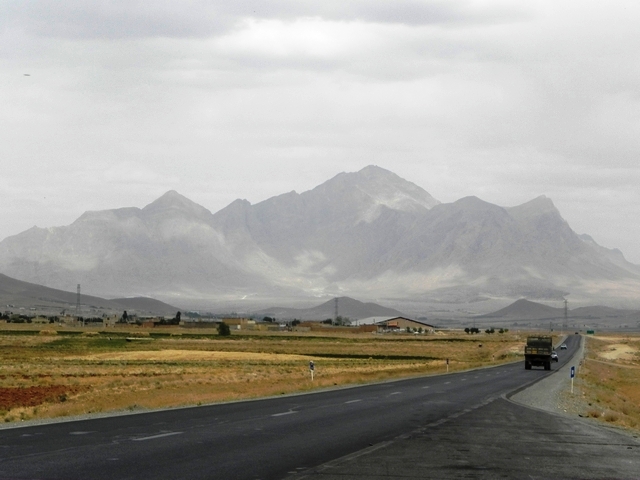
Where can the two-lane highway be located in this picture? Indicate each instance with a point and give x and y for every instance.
(264, 439)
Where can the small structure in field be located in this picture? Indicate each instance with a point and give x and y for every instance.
(398, 324)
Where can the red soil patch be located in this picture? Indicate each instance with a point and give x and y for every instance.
(11, 397)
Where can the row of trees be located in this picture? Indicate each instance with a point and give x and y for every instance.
(340, 321)
(491, 330)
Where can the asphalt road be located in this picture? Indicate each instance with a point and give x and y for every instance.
(272, 438)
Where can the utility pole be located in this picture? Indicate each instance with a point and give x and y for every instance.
(565, 315)
(78, 305)
(335, 312)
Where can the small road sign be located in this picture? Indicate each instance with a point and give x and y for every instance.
(573, 374)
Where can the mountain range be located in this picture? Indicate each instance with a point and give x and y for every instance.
(368, 234)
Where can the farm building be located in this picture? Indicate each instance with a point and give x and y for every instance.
(397, 324)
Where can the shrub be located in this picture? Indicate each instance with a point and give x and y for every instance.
(224, 330)
(611, 417)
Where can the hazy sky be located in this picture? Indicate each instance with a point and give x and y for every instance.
(504, 100)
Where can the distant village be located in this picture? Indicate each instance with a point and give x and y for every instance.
(193, 320)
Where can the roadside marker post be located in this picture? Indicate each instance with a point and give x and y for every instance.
(573, 374)
(447, 365)
(311, 369)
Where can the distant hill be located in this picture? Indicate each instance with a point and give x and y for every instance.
(347, 307)
(16, 294)
(600, 312)
(145, 304)
(526, 310)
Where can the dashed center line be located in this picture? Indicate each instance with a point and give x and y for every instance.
(395, 393)
(284, 413)
(353, 401)
(153, 437)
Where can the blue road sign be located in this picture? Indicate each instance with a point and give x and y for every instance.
(311, 366)
(573, 372)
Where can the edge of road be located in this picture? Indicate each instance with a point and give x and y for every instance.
(549, 394)
(580, 352)
(120, 413)
(141, 411)
(534, 395)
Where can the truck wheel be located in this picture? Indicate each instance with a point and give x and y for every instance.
(527, 366)
(547, 366)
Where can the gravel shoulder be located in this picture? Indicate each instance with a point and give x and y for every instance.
(553, 394)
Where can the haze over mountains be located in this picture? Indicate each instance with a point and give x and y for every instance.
(370, 235)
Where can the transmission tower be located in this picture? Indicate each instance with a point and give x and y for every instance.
(78, 305)
(566, 313)
(335, 313)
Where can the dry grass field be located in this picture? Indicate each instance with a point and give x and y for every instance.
(51, 373)
(610, 379)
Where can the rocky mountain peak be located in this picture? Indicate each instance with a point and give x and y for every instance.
(541, 205)
(176, 203)
(367, 191)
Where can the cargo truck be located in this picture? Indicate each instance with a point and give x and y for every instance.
(537, 352)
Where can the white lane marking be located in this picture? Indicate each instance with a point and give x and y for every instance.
(426, 387)
(464, 380)
(447, 383)
(395, 393)
(353, 401)
(283, 413)
(438, 422)
(79, 433)
(153, 437)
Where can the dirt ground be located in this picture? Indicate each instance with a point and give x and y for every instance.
(619, 352)
(190, 355)
(12, 397)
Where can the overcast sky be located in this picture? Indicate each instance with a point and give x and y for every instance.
(220, 100)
